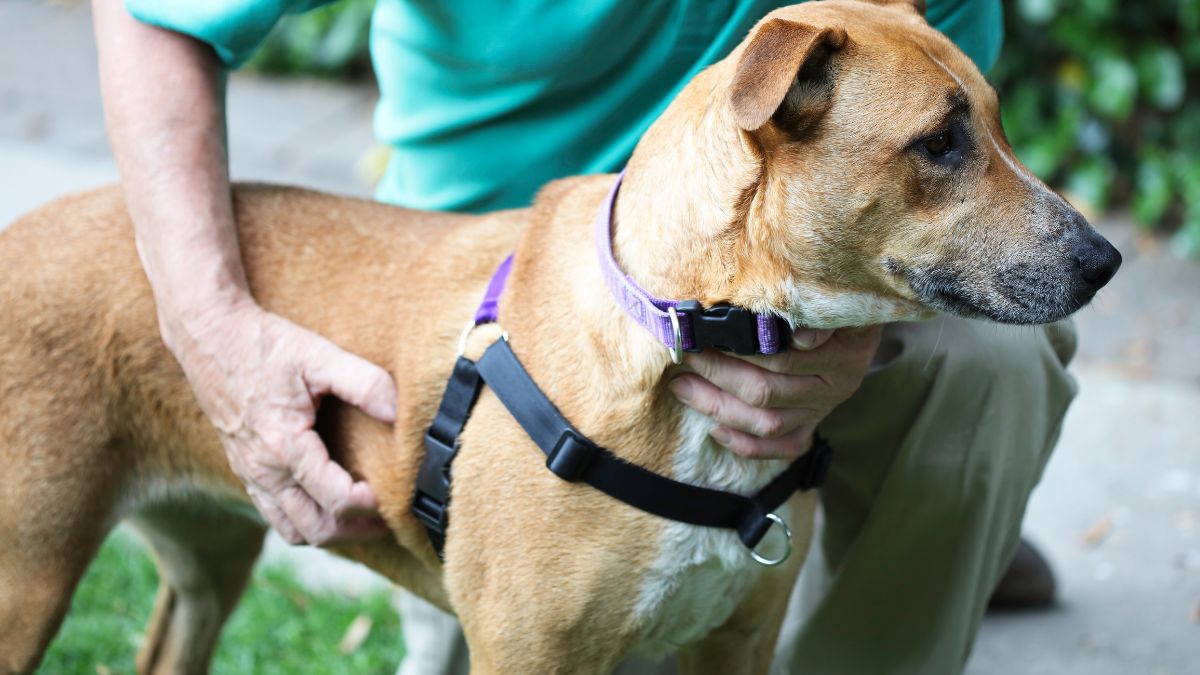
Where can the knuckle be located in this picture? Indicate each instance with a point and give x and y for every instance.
(260, 474)
(339, 510)
(712, 407)
(273, 442)
(770, 425)
(757, 392)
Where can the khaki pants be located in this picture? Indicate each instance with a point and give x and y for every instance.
(935, 457)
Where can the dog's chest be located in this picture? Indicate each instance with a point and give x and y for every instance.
(700, 574)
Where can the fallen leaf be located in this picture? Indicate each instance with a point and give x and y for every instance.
(1146, 243)
(356, 634)
(1097, 533)
(1139, 358)
(102, 669)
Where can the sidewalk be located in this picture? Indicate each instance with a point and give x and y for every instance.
(1118, 511)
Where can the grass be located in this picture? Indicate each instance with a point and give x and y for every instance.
(279, 626)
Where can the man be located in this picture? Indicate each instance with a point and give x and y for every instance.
(482, 103)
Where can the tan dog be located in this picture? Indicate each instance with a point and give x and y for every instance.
(844, 166)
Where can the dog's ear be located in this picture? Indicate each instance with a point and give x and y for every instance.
(782, 70)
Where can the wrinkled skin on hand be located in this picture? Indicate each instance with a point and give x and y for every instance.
(768, 406)
(260, 378)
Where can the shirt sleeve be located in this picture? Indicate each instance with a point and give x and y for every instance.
(976, 26)
(234, 28)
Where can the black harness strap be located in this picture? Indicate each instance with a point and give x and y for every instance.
(572, 457)
(441, 444)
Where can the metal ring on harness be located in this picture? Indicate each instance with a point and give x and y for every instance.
(466, 332)
(462, 337)
(677, 350)
(787, 533)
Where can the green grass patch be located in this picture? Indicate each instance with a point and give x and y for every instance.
(278, 627)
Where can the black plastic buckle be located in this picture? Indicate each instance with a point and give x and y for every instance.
(433, 484)
(725, 327)
(430, 511)
(571, 456)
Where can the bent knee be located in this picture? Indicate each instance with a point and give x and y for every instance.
(1024, 366)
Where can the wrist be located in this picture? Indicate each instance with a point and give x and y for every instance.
(185, 317)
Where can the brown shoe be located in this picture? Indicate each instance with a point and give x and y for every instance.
(1028, 583)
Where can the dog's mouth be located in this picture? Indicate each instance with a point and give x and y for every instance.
(1015, 294)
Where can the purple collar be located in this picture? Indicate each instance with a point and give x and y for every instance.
(681, 326)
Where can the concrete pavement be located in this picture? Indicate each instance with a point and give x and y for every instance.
(1118, 511)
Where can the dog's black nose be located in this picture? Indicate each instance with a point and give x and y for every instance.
(1096, 260)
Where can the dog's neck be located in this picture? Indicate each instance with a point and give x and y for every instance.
(678, 230)
(684, 218)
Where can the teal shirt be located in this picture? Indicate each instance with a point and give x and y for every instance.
(484, 101)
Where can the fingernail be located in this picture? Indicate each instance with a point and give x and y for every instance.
(721, 435)
(682, 389)
(384, 412)
(804, 338)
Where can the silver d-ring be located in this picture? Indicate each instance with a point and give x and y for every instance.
(462, 337)
(677, 350)
(787, 533)
(466, 332)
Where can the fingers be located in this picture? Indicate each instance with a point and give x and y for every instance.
(767, 406)
(308, 498)
(322, 501)
(829, 353)
(805, 339)
(786, 384)
(729, 410)
(275, 516)
(329, 485)
(352, 379)
(787, 446)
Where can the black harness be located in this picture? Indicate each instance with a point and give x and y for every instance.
(574, 458)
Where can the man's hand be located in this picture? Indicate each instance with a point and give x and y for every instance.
(768, 406)
(259, 378)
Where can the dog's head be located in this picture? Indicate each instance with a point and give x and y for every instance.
(873, 173)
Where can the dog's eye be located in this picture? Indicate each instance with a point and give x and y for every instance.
(939, 144)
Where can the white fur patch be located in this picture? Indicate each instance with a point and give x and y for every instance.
(817, 308)
(701, 574)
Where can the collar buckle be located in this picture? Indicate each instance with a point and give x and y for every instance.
(724, 327)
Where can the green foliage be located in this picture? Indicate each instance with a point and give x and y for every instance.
(1095, 97)
(330, 41)
(278, 627)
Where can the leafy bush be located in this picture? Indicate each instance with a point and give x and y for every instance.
(1094, 95)
(330, 41)
(1095, 100)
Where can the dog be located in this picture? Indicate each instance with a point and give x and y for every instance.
(845, 165)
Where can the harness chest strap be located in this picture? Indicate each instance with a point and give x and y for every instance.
(573, 457)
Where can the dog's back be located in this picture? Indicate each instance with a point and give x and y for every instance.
(98, 423)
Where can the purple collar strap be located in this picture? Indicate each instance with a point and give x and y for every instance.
(684, 326)
(489, 308)
(681, 326)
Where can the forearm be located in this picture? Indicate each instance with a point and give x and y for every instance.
(164, 108)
